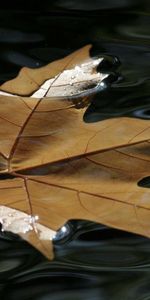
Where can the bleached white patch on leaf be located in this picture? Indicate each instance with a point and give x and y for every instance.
(21, 223)
(83, 79)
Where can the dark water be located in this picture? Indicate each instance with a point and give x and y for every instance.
(91, 262)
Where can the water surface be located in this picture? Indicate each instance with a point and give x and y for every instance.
(92, 261)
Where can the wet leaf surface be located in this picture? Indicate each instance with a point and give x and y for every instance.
(55, 167)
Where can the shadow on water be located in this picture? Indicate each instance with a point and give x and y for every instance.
(91, 262)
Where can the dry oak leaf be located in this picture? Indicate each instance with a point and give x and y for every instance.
(98, 187)
(35, 134)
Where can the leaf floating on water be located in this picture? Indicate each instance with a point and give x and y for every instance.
(101, 187)
(27, 227)
(70, 76)
(50, 167)
(81, 80)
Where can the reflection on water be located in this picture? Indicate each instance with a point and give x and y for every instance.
(91, 261)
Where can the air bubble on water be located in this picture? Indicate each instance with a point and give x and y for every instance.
(102, 84)
(62, 233)
(63, 229)
(53, 237)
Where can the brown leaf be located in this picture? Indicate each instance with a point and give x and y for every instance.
(36, 132)
(101, 187)
(44, 179)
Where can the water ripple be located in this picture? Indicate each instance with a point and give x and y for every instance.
(91, 262)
